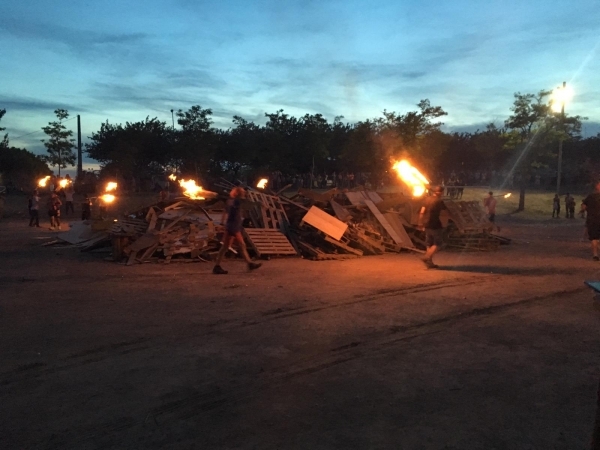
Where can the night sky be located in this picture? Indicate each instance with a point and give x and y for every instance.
(125, 60)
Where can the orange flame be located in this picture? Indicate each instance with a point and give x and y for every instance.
(111, 186)
(191, 190)
(64, 183)
(172, 177)
(411, 177)
(107, 198)
(262, 183)
(507, 195)
(42, 182)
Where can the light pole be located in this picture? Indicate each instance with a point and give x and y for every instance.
(172, 119)
(560, 96)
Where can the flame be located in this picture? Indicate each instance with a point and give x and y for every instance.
(412, 177)
(42, 182)
(262, 183)
(110, 186)
(64, 183)
(107, 198)
(191, 190)
(507, 195)
(172, 177)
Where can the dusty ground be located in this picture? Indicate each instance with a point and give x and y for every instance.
(494, 351)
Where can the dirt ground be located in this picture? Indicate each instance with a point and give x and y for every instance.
(493, 351)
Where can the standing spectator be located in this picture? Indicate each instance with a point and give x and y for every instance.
(54, 205)
(69, 191)
(429, 218)
(582, 210)
(34, 209)
(569, 206)
(556, 206)
(490, 206)
(86, 209)
(232, 219)
(591, 205)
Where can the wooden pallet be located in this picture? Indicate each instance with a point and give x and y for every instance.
(271, 214)
(468, 216)
(267, 241)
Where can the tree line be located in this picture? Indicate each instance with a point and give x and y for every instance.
(525, 144)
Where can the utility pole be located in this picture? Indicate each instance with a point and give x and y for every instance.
(79, 153)
(172, 120)
(560, 142)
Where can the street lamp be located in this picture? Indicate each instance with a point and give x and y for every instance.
(560, 96)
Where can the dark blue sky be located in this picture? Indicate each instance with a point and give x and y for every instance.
(125, 60)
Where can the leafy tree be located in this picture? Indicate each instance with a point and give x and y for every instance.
(4, 142)
(533, 131)
(20, 167)
(60, 145)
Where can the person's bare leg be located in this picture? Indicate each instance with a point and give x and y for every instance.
(595, 248)
(224, 248)
(430, 252)
(240, 241)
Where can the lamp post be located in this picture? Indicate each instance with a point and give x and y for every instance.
(172, 120)
(560, 96)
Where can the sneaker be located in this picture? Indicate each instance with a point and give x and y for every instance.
(219, 270)
(595, 258)
(253, 265)
(429, 263)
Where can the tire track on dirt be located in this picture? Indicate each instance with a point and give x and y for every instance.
(182, 408)
(28, 371)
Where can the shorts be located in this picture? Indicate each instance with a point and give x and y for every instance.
(52, 213)
(492, 217)
(434, 237)
(593, 230)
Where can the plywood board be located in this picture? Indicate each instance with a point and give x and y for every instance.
(382, 220)
(341, 212)
(395, 222)
(325, 223)
(359, 197)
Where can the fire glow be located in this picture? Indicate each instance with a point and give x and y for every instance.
(107, 198)
(64, 183)
(111, 186)
(411, 177)
(42, 182)
(191, 190)
(262, 183)
(507, 195)
(173, 177)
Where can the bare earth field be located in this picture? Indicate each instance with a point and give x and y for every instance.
(493, 351)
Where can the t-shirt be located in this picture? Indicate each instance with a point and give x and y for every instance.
(35, 202)
(592, 206)
(69, 196)
(234, 215)
(433, 207)
(490, 204)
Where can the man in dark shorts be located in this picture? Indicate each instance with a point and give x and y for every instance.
(591, 205)
(430, 219)
(233, 230)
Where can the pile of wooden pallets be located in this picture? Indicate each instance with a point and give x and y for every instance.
(316, 225)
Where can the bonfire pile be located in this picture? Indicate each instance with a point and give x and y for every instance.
(320, 226)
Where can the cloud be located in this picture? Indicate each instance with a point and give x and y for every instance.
(28, 104)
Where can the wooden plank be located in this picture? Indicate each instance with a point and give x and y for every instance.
(324, 222)
(344, 246)
(359, 197)
(382, 220)
(396, 224)
(341, 213)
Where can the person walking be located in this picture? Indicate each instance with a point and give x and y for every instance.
(556, 206)
(591, 205)
(429, 218)
(232, 218)
(34, 209)
(490, 206)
